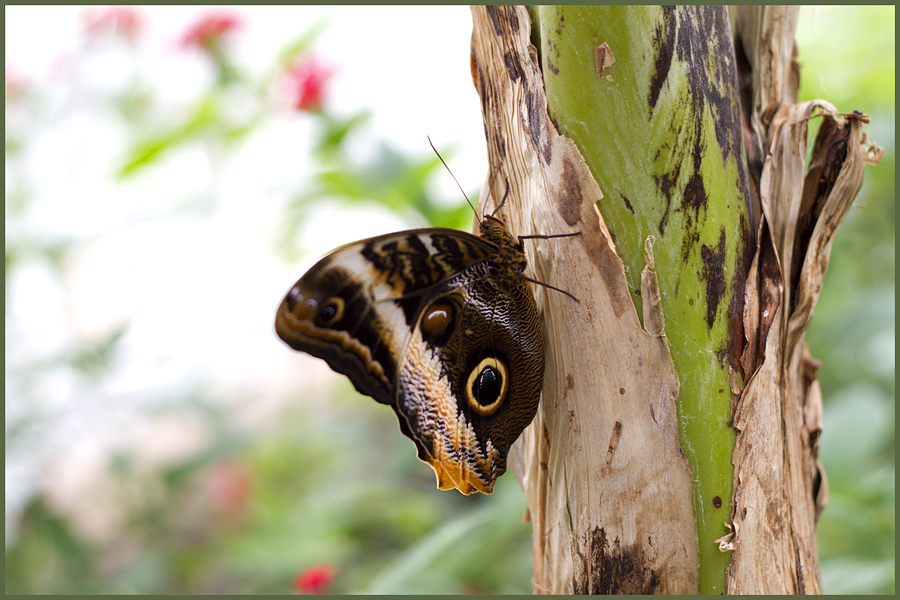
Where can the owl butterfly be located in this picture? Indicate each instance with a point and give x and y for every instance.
(438, 324)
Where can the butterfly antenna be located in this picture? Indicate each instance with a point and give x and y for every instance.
(547, 237)
(502, 200)
(451, 174)
(551, 287)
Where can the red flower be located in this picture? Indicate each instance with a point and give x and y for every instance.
(16, 84)
(122, 20)
(230, 486)
(306, 81)
(208, 32)
(314, 580)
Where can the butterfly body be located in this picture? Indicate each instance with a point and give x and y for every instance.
(439, 324)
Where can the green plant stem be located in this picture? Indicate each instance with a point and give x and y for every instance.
(660, 131)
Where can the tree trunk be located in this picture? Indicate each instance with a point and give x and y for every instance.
(678, 402)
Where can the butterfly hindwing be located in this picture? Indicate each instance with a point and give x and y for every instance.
(482, 383)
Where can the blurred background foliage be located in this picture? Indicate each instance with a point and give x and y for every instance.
(324, 495)
(847, 58)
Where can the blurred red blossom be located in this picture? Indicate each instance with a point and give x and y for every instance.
(306, 81)
(229, 485)
(208, 33)
(314, 580)
(126, 21)
(16, 83)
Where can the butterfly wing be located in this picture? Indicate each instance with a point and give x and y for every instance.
(437, 324)
(470, 377)
(356, 307)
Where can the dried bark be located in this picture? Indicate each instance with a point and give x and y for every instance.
(780, 486)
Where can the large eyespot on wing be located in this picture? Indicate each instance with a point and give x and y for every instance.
(487, 386)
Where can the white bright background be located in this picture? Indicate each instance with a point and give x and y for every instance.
(199, 292)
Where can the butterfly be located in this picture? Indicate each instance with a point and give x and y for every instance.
(442, 326)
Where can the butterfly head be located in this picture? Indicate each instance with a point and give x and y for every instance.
(494, 230)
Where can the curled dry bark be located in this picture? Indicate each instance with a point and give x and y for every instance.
(780, 487)
(779, 484)
(608, 488)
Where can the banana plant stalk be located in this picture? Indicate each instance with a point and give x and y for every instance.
(679, 417)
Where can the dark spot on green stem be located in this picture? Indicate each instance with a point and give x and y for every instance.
(714, 274)
(664, 40)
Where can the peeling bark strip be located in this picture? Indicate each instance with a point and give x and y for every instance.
(779, 489)
(603, 56)
(605, 518)
(779, 485)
